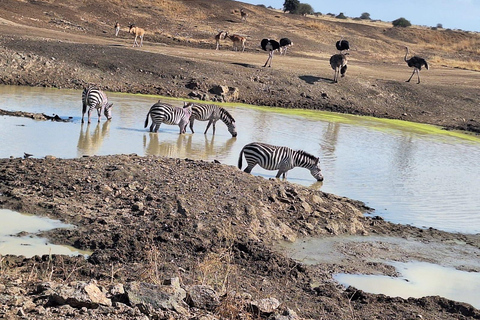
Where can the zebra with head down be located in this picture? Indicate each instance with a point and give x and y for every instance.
(278, 158)
(94, 98)
(212, 113)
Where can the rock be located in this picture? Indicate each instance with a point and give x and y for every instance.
(202, 297)
(287, 314)
(265, 306)
(167, 297)
(80, 295)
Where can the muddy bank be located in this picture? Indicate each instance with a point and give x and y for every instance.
(149, 219)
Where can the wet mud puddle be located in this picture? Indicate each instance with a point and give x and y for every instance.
(17, 235)
(414, 268)
(419, 279)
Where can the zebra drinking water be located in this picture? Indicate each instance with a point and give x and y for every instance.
(168, 114)
(278, 158)
(212, 113)
(94, 98)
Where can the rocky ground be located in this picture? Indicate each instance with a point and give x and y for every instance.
(195, 239)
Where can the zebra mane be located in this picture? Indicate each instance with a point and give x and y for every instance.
(227, 114)
(307, 155)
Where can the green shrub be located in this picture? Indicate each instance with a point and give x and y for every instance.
(365, 16)
(341, 16)
(401, 22)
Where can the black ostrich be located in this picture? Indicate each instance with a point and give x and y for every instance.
(416, 63)
(342, 45)
(270, 46)
(284, 44)
(339, 65)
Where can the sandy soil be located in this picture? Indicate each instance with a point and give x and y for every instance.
(205, 223)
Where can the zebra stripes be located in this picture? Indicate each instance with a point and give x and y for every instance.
(168, 114)
(94, 98)
(278, 158)
(212, 113)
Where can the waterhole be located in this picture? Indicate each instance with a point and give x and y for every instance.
(409, 173)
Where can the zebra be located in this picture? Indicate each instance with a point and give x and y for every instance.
(212, 113)
(94, 98)
(168, 114)
(272, 157)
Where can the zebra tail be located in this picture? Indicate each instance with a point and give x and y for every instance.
(146, 120)
(240, 160)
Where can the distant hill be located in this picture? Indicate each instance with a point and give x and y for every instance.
(194, 23)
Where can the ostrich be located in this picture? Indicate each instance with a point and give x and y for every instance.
(416, 63)
(270, 46)
(339, 65)
(342, 45)
(284, 44)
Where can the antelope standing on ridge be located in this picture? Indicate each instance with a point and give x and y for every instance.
(117, 28)
(237, 41)
(220, 36)
(244, 15)
(138, 32)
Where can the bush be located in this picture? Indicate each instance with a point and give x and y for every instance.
(365, 16)
(341, 16)
(401, 22)
(304, 8)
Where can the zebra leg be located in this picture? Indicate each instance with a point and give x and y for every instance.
(191, 124)
(89, 115)
(99, 112)
(208, 126)
(249, 168)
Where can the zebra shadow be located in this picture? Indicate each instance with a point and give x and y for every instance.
(313, 79)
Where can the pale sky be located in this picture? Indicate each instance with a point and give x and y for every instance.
(453, 14)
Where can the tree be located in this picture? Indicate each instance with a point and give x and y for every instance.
(341, 16)
(291, 6)
(401, 22)
(304, 8)
(365, 16)
(439, 25)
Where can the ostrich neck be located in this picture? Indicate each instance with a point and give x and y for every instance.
(406, 53)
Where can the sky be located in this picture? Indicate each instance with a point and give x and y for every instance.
(452, 14)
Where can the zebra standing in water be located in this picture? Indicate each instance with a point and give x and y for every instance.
(212, 113)
(94, 98)
(168, 114)
(282, 159)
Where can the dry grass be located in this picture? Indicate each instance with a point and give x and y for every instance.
(455, 63)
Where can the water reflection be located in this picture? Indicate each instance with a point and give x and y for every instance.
(89, 144)
(420, 279)
(163, 144)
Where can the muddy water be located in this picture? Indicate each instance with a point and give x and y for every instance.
(420, 279)
(448, 269)
(410, 173)
(18, 235)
